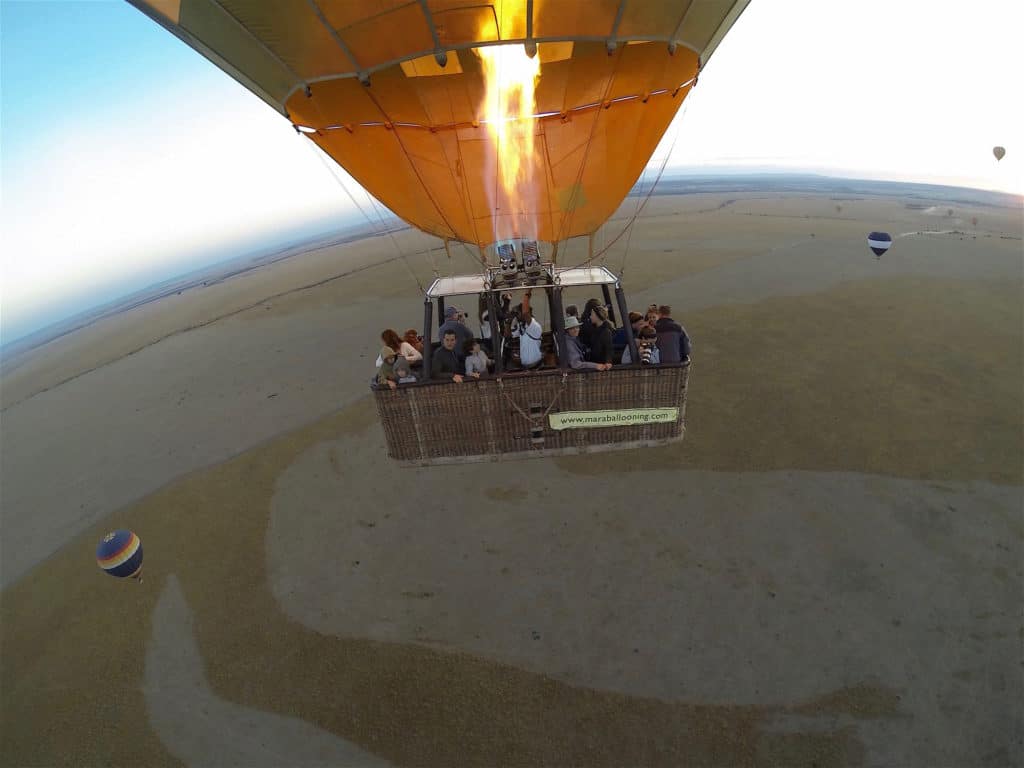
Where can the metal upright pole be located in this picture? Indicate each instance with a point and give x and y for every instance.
(428, 327)
(558, 329)
(497, 340)
(440, 310)
(634, 353)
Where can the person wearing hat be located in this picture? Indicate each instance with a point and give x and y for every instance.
(574, 352)
(453, 322)
(393, 368)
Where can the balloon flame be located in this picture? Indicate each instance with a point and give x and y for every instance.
(510, 77)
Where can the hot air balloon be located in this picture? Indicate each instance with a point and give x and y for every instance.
(879, 243)
(998, 152)
(120, 554)
(509, 127)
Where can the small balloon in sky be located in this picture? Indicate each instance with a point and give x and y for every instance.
(120, 554)
(879, 242)
(999, 152)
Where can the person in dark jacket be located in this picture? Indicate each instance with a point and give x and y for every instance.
(673, 341)
(444, 363)
(586, 325)
(454, 322)
(600, 336)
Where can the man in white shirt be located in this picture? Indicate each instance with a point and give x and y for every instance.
(529, 332)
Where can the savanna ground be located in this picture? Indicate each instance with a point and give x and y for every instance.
(827, 571)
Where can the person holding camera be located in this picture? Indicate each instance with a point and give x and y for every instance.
(529, 333)
(647, 346)
(503, 320)
(454, 322)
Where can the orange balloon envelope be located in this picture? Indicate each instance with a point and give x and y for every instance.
(396, 92)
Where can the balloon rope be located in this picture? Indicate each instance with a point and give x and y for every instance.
(586, 151)
(627, 229)
(650, 192)
(383, 226)
(415, 170)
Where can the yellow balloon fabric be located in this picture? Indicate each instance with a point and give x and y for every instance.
(364, 79)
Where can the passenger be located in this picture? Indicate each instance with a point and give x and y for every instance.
(586, 328)
(600, 336)
(394, 369)
(407, 350)
(453, 322)
(673, 341)
(637, 321)
(484, 316)
(414, 340)
(572, 311)
(529, 333)
(476, 360)
(651, 317)
(573, 350)
(647, 345)
(444, 363)
(504, 314)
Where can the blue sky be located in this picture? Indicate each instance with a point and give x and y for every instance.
(126, 157)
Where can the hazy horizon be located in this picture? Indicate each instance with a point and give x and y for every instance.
(13, 330)
(107, 189)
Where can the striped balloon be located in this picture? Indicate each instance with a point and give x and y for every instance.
(879, 242)
(120, 554)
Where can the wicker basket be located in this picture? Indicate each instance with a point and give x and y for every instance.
(442, 422)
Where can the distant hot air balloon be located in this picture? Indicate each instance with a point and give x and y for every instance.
(999, 152)
(879, 242)
(120, 554)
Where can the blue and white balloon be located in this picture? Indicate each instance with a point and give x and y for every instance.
(879, 242)
(120, 555)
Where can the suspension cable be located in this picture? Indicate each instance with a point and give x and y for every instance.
(415, 169)
(384, 229)
(586, 151)
(644, 200)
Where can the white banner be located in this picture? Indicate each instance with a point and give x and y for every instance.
(628, 418)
